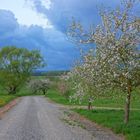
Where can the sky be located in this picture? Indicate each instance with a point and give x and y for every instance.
(42, 25)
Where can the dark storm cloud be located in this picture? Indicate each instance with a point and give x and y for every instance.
(61, 12)
(58, 52)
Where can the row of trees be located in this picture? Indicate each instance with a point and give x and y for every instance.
(113, 60)
(16, 67)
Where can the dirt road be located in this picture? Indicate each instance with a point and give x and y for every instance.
(34, 118)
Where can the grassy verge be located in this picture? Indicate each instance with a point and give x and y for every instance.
(112, 99)
(117, 102)
(56, 97)
(114, 120)
(4, 99)
(24, 91)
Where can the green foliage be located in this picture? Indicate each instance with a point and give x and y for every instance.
(113, 119)
(6, 99)
(57, 97)
(16, 66)
(59, 90)
(55, 73)
(104, 101)
(25, 91)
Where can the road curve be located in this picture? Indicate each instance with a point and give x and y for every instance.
(34, 118)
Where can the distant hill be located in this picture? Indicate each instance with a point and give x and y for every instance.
(49, 73)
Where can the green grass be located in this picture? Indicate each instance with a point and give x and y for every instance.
(57, 97)
(115, 101)
(114, 119)
(4, 99)
(24, 91)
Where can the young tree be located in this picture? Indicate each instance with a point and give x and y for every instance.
(16, 66)
(117, 42)
(83, 79)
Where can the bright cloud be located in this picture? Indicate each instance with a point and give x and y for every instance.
(24, 14)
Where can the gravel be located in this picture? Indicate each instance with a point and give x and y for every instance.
(34, 118)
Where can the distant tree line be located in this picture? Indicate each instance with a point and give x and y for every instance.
(49, 73)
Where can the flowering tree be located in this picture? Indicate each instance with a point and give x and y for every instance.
(39, 85)
(83, 79)
(63, 86)
(117, 42)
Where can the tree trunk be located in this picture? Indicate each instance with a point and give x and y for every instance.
(127, 105)
(44, 92)
(89, 105)
(12, 90)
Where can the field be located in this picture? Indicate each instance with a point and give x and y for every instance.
(110, 118)
(113, 119)
(57, 97)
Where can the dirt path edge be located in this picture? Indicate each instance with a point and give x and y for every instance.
(102, 133)
(8, 106)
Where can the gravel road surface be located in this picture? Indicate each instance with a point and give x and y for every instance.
(34, 118)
